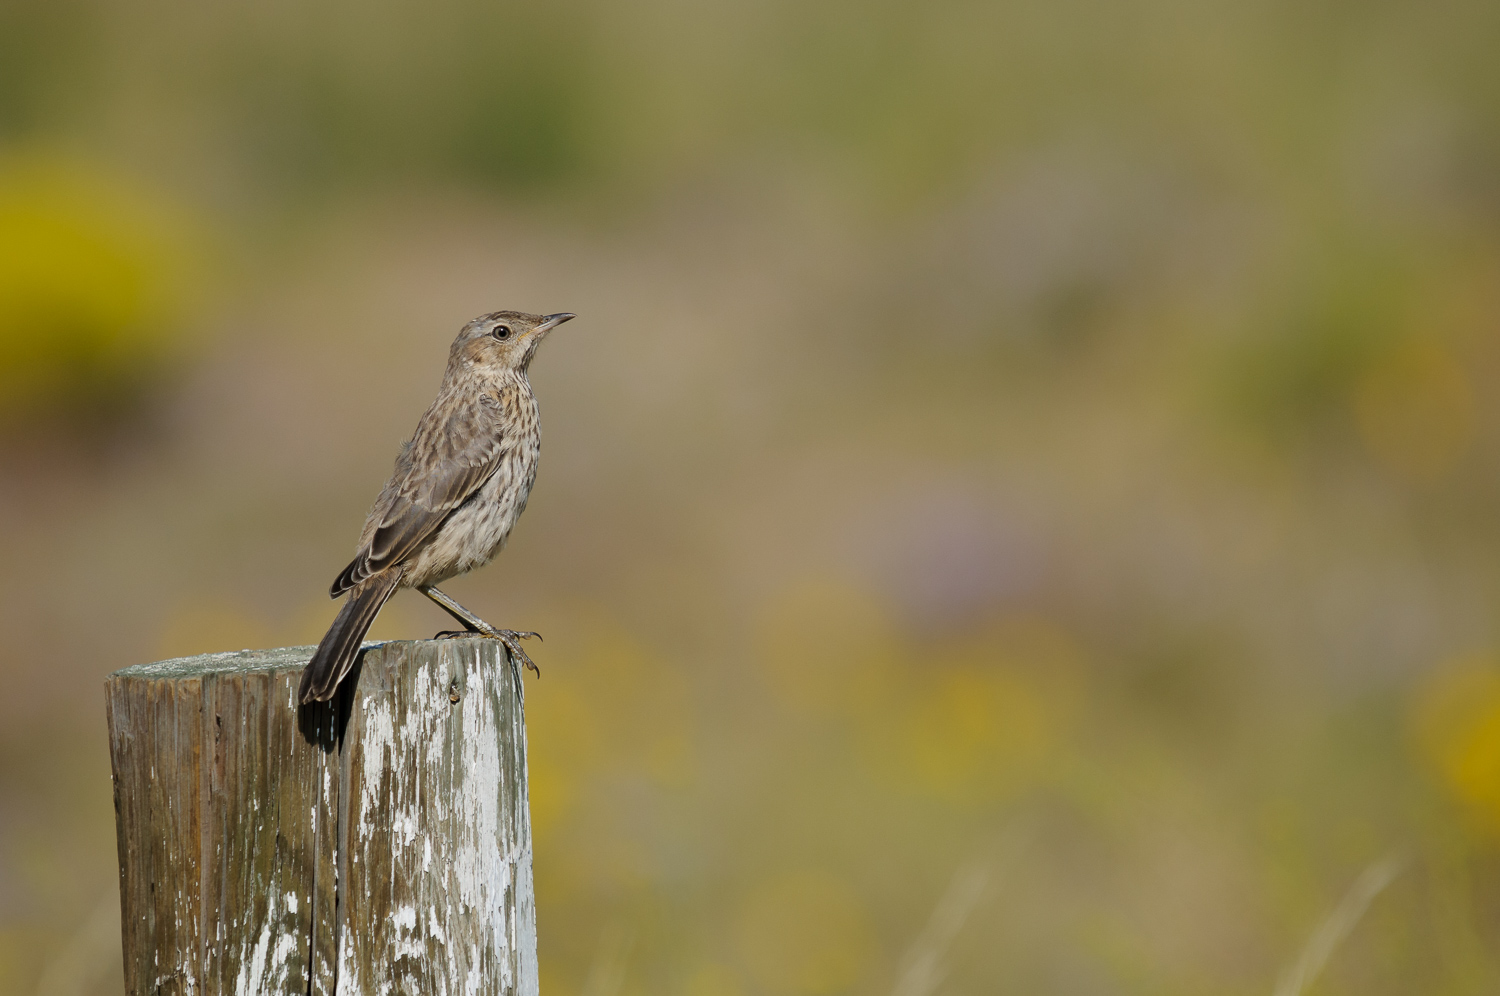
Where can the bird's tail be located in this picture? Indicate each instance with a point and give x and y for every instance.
(340, 645)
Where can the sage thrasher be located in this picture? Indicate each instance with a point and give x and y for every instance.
(460, 483)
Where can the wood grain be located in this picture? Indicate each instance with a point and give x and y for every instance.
(239, 815)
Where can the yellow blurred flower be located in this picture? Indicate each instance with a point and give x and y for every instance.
(93, 281)
(804, 932)
(1457, 726)
(979, 719)
(975, 731)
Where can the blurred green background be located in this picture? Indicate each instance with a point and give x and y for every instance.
(1019, 507)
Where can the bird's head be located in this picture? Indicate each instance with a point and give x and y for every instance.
(504, 340)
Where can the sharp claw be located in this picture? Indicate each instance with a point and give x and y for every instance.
(510, 639)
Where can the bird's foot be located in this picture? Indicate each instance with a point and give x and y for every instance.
(512, 641)
(509, 637)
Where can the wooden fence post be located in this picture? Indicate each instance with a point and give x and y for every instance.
(380, 843)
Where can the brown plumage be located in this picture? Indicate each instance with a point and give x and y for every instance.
(459, 485)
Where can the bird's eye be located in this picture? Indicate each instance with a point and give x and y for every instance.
(501, 332)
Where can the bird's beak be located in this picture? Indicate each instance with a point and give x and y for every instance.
(550, 322)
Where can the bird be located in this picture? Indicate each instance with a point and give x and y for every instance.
(459, 484)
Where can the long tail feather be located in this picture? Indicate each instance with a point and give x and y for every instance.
(335, 654)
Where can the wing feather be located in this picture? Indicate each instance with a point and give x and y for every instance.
(445, 463)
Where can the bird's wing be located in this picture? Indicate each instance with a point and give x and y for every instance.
(445, 462)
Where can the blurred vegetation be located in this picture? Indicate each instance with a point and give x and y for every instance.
(92, 288)
(1044, 445)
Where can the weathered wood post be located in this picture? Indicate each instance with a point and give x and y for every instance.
(380, 843)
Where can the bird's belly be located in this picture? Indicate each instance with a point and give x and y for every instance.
(476, 530)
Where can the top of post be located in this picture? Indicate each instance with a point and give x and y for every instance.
(230, 662)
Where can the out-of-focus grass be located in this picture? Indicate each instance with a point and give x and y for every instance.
(1072, 417)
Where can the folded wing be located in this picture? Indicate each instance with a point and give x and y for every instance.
(445, 463)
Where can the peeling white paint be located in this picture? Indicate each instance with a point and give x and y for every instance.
(451, 823)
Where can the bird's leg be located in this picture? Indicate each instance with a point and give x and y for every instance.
(473, 625)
